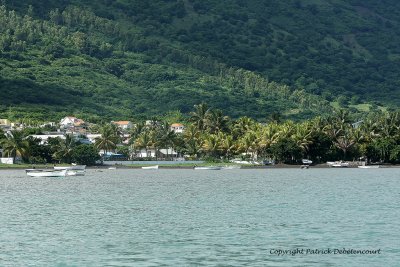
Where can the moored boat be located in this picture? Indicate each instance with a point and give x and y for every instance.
(214, 168)
(340, 165)
(73, 167)
(75, 172)
(155, 167)
(232, 167)
(369, 167)
(46, 173)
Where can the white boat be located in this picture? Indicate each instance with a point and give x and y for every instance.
(73, 167)
(306, 161)
(112, 168)
(233, 167)
(369, 167)
(214, 168)
(155, 167)
(46, 173)
(340, 165)
(75, 172)
(238, 161)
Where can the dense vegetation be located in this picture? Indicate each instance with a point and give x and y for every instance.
(131, 58)
(212, 136)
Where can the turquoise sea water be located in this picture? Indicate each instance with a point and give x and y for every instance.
(200, 218)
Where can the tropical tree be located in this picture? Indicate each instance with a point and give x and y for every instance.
(14, 144)
(64, 148)
(212, 145)
(144, 140)
(110, 137)
(216, 122)
(199, 116)
(241, 126)
(345, 141)
(228, 145)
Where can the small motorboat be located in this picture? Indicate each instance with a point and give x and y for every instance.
(46, 173)
(73, 167)
(112, 168)
(369, 167)
(155, 167)
(213, 168)
(306, 161)
(232, 167)
(340, 164)
(75, 172)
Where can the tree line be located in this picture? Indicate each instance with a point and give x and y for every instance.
(212, 136)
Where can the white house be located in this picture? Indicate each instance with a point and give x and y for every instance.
(71, 121)
(177, 127)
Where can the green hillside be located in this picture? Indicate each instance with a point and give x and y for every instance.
(143, 58)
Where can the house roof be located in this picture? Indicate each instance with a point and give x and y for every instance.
(122, 122)
(176, 125)
(78, 122)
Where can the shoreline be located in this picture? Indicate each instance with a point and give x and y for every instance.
(172, 167)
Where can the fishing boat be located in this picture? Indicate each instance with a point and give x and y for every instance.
(75, 172)
(369, 167)
(155, 167)
(214, 168)
(233, 167)
(72, 167)
(340, 164)
(46, 173)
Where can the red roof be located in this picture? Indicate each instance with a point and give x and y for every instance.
(122, 122)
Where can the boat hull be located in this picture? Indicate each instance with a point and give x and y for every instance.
(75, 173)
(208, 168)
(369, 167)
(74, 167)
(150, 167)
(46, 173)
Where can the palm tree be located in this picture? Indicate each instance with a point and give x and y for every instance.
(248, 143)
(267, 136)
(14, 144)
(136, 130)
(302, 136)
(192, 140)
(242, 125)
(144, 140)
(64, 148)
(345, 141)
(212, 145)
(228, 145)
(216, 122)
(167, 136)
(110, 137)
(199, 116)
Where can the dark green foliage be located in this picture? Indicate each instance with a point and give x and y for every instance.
(85, 155)
(130, 59)
(286, 151)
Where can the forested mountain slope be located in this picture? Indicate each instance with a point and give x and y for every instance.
(124, 58)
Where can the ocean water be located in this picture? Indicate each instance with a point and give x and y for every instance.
(201, 218)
